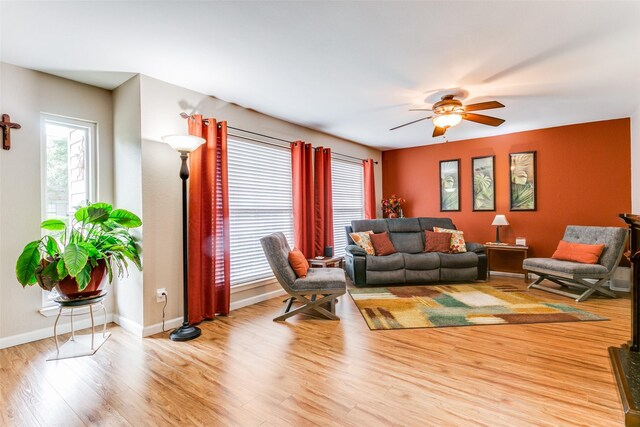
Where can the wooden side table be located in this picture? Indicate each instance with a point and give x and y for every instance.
(325, 262)
(496, 260)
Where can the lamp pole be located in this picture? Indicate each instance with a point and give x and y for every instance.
(186, 331)
(184, 144)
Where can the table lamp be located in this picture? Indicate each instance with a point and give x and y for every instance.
(499, 221)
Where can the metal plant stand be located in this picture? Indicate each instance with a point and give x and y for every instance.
(80, 345)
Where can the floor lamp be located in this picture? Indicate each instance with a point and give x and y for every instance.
(184, 144)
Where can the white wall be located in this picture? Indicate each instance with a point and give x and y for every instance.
(161, 104)
(127, 179)
(635, 161)
(24, 94)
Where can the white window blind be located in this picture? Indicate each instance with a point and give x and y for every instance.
(259, 204)
(348, 199)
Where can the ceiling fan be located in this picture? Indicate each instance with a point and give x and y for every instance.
(449, 112)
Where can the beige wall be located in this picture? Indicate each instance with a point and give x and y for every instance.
(161, 104)
(127, 181)
(25, 94)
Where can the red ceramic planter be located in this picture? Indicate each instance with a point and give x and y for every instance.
(68, 287)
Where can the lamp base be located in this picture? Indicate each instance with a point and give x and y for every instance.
(185, 333)
(497, 234)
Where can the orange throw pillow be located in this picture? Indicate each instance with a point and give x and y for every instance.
(382, 244)
(437, 242)
(298, 262)
(578, 252)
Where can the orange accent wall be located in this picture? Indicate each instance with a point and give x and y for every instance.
(583, 178)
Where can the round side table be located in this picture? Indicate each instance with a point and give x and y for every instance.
(80, 345)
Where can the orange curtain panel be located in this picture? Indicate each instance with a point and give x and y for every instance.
(323, 206)
(303, 200)
(209, 284)
(369, 190)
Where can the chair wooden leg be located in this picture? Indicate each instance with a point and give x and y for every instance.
(313, 304)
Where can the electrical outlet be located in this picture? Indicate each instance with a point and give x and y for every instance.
(159, 296)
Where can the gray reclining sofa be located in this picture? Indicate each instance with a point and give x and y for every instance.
(410, 264)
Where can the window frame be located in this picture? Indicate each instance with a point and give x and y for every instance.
(91, 167)
(285, 149)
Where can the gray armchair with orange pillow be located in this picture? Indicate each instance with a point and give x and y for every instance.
(583, 270)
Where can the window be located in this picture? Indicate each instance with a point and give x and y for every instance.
(259, 204)
(347, 179)
(68, 180)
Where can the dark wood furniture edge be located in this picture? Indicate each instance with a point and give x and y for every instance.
(631, 411)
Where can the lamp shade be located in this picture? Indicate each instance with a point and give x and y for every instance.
(447, 120)
(183, 143)
(500, 220)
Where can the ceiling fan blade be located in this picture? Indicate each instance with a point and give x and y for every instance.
(410, 123)
(420, 109)
(438, 131)
(485, 120)
(483, 106)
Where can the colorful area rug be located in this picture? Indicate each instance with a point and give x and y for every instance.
(440, 306)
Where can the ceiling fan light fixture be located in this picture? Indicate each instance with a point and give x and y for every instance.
(447, 120)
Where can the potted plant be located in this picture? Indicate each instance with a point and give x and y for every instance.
(75, 257)
(391, 207)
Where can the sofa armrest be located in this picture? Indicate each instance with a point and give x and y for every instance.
(475, 247)
(355, 250)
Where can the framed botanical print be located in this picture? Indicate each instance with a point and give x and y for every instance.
(483, 172)
(522, 173)
(450, 185)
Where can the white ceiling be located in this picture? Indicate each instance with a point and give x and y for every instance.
(351, 69)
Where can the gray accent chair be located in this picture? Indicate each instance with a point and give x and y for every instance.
(410, 264)
(587, 278)
(321, 286)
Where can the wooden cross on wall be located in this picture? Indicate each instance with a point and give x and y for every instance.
(6, 126)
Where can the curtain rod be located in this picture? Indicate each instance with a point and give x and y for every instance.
(186, 116)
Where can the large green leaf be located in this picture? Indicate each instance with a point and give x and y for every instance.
(52, 247)
(27, 264)
(81, 214)
(105, 206)
(53, 224)
(61, 269)
(75, 258)
(83, 277)
(97, 215)
(125, 218)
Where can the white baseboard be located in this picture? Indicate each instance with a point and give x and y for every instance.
(128, 325)
(39, 334)
(256, 299)
(157, 328)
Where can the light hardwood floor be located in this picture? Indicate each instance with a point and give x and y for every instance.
(249, 371)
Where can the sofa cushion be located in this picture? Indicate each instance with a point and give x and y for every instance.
(421, 261)
(457, 239)
(375, 225)
(410, 243)
(385, 277)
(613, 238)
(467, 259)
(321, 279)
(566, 267)
(382, 244)
(422, 276)
(403, 225)
(437, 242)
(578, 252)
(385, 263)
(429, 223)
(362, 239)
